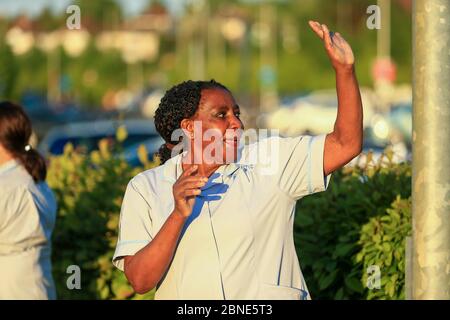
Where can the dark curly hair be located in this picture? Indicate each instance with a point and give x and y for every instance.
(179, 102)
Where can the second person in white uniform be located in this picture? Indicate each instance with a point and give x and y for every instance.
(27, 212)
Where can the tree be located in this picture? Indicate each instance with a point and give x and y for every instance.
(8, 72)
(105, 14)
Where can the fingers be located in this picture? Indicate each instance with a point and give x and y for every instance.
(322, 31)
(192, 184)
(191, 179)
(184, 195)
(327, 39)
(190, 189)
(337, 37)
(189, 186)
(189, 171)
(192, 192)
(317, 28)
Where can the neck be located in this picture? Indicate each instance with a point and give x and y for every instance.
(5, 156)
(204, 169)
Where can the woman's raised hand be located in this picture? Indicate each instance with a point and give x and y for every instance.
(338, 50)
(185, 189)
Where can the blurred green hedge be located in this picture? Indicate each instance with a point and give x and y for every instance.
(361, 220)
(89, 190)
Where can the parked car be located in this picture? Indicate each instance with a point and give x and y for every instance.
(400, 118)
(393, 126)
(85, 136)
(314, 113)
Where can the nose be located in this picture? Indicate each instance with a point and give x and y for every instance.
(235, 123)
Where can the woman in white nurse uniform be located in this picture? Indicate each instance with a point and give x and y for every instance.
(27, 212)
(202, 226)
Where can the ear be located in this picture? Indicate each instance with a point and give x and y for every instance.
(188, 127)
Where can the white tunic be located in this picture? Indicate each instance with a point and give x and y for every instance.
(238, 242)
(27, 218)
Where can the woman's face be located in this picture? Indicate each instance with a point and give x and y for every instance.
(217, 121)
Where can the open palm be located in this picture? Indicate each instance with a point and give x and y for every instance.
(338, 50)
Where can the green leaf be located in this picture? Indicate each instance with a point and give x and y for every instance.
(353, 284)
(386, 247)
(326, 281)
(305, 220)
(339, 294)
(344, 249)
(376, 238)
(330, 266)
(390, 289)
(121, 133)
(388, 260)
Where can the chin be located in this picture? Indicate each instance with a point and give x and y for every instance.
(232, 153)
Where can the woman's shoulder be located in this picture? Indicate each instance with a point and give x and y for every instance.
(15, 179)
(263, 148)
(148, 180)
(18, 185)
(148, 175)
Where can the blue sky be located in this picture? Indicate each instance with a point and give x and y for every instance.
(34, 7)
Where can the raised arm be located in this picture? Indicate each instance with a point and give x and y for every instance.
(345, 142)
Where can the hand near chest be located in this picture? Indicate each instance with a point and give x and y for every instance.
(185, 189)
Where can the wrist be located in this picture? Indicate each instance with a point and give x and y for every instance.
(345, 69)
(179, 216)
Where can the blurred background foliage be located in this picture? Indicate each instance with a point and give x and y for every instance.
(362, 220)
(120, 62)
(89, 189)
(205, 36)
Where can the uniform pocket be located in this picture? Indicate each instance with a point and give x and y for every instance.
(275, 292)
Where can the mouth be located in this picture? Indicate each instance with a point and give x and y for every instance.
(233, 142)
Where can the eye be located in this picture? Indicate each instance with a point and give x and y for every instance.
(237, 114)
(220, 115)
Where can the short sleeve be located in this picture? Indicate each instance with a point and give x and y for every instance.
(301, 166)
(20, 221)
(135, 224)
(8, 205)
